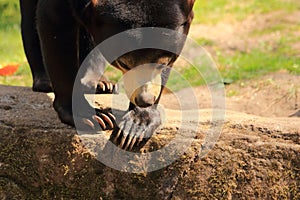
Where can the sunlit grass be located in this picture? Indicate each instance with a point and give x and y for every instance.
(207, 11)
(11, 48)
(255, 64)
(11, 51)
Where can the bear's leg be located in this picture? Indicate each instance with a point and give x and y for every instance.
(59, 48)
(31, 43)
(59, 33)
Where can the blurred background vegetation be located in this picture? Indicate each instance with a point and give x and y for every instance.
(11, 49)
(271, 45)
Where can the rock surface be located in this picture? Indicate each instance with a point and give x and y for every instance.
(41, 158)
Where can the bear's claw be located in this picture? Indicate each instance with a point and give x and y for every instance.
(105, 87)
(100, 121)
(136, 127)
(104, 118)
(88, 122)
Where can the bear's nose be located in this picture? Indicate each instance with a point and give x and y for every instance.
(144, 100)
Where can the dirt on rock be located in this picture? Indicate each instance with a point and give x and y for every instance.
(41, 158)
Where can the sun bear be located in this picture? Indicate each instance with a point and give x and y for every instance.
(58, 35)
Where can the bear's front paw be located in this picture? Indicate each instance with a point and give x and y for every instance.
(136, 128)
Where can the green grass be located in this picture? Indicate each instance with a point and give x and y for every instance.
(185, 78)
(213, 11)
(11, 48)
(255, 64)
(266, 57)
(11, 51)
(205, 42)
(237, 67)
(9, 13)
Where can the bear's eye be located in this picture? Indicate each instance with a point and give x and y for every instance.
(123, 65)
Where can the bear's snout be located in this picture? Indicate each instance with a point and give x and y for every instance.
(145, 99)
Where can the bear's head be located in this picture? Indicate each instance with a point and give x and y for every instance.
(146, 69)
